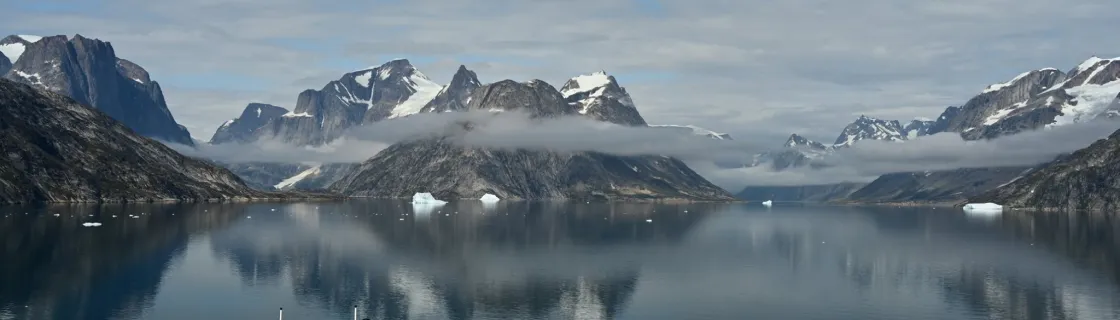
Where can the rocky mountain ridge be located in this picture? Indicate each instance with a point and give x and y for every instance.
(89, 71)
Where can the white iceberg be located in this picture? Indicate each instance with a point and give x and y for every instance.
(91, 224)
(768, 203)
(426, 198)
(489, 198)
(983, 208)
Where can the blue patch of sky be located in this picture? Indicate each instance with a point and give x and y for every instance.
(216, 80)
(651, 7)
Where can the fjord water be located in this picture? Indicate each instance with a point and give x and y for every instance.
(522, 260)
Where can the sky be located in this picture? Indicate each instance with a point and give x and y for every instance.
(758, 70)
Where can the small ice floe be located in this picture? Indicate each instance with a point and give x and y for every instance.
(983, 208)
(426, 198)
(56, 214)
(489, 198)
(273, 209)
(91, 224)
(768, 203)
(649, 220)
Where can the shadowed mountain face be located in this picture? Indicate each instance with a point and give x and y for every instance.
(59, 150)
(89, 71)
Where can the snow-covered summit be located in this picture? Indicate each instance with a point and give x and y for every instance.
(599, 96)
(868, 128)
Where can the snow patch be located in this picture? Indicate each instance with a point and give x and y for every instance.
(12, 50)
(292, 114)
(424, 91)
(291, 181)
(138, 80)
(425, 198)
(363, 78)
(227, 123)
(999, 115)
(31, 77)
(489, 198)
(258, 112)
(585, 83)
(1092, 100)
(1088, 63)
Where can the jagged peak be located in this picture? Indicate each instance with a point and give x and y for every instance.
(587, 82)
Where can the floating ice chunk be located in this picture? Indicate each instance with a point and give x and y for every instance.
(91, 224)
(768, 203)
(426, 198)
(489, 198)
(983, 208)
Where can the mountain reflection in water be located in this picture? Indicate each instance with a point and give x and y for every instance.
(544, 260)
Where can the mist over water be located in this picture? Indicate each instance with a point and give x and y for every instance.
(542, 260)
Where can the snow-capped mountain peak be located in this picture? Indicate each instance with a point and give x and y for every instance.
(797, 141)
(587, 83)
(599, 96)
(868, 128)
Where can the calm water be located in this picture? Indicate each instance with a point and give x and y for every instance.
(553, 261)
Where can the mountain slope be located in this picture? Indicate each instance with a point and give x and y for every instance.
(447, 169)
(1088, 179)
(89, 71)
(59, 150)
(935, 186)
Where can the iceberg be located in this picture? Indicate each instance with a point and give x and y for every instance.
(768, 203)
(489, 198)
(983, 208)
(425, 198)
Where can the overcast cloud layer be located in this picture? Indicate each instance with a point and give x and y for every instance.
(756, 69)
(514, 130)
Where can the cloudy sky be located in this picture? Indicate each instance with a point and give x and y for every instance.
(761, 69)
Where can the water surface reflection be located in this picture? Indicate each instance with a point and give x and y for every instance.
(553, 261)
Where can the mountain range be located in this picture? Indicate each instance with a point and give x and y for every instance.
(397, 89)
(1032, 100)
(61, 75)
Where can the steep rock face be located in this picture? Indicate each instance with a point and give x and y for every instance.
(1001, 100)
(935, 186)
(796, 141)
(394, 89)
(456, 95)
(59, 150)
(244, 127)
(1088, 179)
(5, 64)
(599, 96)
(449, 170)
(89, 71)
